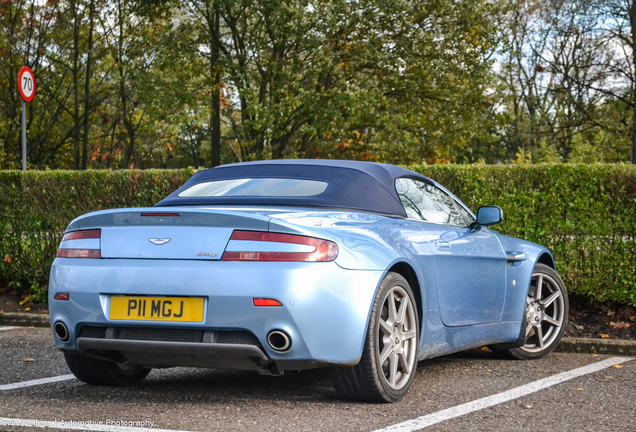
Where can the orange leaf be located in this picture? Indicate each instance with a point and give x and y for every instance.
(620, 325)
(604, 336)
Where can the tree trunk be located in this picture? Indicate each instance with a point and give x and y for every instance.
(215, 74)
(87, 99)
(123, 97)
(76, 116)
(130, 129)
(632, 17)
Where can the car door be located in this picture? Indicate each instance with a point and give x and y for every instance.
(470, 264)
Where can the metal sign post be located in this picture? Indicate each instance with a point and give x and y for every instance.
(24, 164)
(26, 85)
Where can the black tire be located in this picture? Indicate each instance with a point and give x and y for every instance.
(544, 319)
(373, 380)
(102, 372)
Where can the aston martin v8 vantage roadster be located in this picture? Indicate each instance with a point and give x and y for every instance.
(281, 265)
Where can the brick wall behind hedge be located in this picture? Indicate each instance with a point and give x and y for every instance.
(586, 215)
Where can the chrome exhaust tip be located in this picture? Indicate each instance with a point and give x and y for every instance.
(279, 340)
(61, 331)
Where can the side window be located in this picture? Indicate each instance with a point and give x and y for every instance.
(426, 202)
(465, 214)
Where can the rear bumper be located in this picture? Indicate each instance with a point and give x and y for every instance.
(220, 356)
(324, 309)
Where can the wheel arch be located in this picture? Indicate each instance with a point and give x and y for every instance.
(407, 272)
(546, 259)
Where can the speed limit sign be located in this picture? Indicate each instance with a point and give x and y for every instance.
(26, 83)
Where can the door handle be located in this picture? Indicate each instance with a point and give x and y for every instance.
(441, 244)
(515, 258)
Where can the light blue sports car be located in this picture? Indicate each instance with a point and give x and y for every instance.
(294, 264)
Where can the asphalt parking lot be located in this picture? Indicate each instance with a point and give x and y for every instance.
(469, 391)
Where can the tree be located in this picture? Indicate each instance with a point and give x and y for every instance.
(560, 72)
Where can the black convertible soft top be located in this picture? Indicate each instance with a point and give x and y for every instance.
(354, 185)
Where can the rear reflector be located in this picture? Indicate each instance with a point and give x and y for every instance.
(324, 250)
(86, 234)
(161, 214)
(61, 296)
(266, 302)
(79, 253)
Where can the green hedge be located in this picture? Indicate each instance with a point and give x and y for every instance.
(586, 215)
(38, 205)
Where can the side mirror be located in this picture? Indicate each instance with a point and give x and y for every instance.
(489, 215)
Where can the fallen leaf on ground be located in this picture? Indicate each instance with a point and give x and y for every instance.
(484, 348)
(29, 360)
(528, 406)
(620, 325)
(617, 367)
(594, 355)
(579, 327)
(604, 336)
(31, 327)
(609, 377)
(23, 302)
(27, 309)
(579, 389)
(632, 319)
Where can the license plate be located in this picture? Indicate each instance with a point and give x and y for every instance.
(156, 308)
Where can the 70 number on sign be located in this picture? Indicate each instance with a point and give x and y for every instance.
(27, 84)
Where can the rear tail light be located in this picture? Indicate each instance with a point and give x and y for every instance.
(79, 253)
(86, 234)
(67, 249)
(243, 248)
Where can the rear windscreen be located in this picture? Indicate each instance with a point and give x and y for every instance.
(256, 187)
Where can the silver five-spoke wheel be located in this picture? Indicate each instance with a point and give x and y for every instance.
(545, 313)
(397, 337)
(389, 358)
(545, 316)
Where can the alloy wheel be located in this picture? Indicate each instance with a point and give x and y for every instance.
(545, 313)
(397, 338)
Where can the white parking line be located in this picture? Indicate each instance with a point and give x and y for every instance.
(479, 404)
(8, 328)
(76, 425)
(36, 382)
